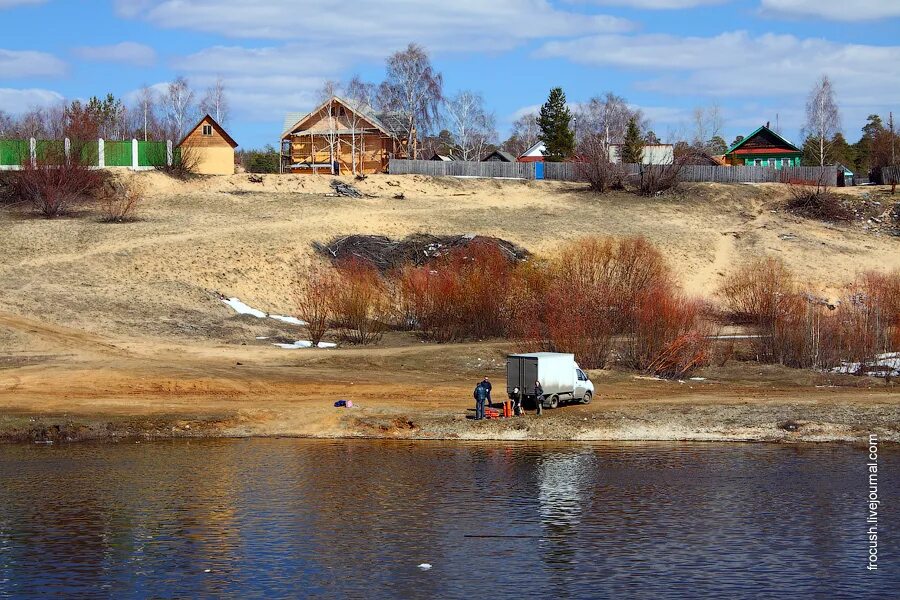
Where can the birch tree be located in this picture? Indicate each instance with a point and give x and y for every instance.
(215, 102)
(608, 116)
(143, 115)
(525, 133)
(708, 124)
(823, 120)
(471, 125)
(179, 107)
(414, 90)
(359, 95)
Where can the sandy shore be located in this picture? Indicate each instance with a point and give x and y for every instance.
(117, 331)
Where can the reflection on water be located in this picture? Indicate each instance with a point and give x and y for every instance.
(302, 518)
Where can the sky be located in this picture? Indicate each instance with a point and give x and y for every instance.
(755, 59)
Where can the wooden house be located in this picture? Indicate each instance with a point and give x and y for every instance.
(441, 157)
(533, 154)
(764, 147)
(499, 156)
(340, 137)
(209, 148)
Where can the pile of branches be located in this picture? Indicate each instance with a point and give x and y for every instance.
(816, 202)
(344, 189)
(418, 249)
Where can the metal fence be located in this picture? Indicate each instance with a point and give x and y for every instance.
(570, 171)
(458, 168)
(132, 154)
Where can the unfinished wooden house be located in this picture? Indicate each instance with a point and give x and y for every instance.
(340, 137)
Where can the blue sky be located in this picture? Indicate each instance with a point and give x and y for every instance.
(754, 58)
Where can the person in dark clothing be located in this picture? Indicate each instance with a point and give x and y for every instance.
(480, 395)
(486, 384)
(539, 396)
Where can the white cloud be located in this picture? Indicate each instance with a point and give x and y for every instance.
(17, 101)
(13, 3)
(377, 28)
(780, 64)
(29, 63)
(658, 4)
(130, 53)
(834, 10)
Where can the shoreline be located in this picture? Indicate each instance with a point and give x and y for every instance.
(767, 426)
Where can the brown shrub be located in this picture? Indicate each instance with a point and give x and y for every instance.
(595, 167)
(315, 289)
(359, 302)
(53, 186)
(119, 200)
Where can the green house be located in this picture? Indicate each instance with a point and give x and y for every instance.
(764, 148)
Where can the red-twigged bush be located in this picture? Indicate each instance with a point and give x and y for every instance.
(315, 290)
(797, 329)
(53, 187)
(597, 290)
(867, 319)
(665, 336)
(359, 302)
(459, 296)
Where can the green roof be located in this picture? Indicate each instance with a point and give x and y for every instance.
(758, 129)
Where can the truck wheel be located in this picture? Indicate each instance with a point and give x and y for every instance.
(587, 398)
(554, 401)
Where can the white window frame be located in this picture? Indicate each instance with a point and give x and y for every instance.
(206, 128)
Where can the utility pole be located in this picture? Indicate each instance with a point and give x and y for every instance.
(893, 138)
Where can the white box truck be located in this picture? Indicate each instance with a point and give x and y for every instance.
(560, 376)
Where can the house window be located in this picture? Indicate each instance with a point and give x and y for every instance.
(785, 162)
(207, 130)
(771, 162)
(758, 162)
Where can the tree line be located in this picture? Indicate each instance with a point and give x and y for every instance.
(152, 115)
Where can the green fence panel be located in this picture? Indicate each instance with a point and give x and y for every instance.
(50, 151)
(117, 154)
(151, 154)
(13, 152)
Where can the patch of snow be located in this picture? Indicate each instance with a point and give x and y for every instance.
(424, 566)
(305, 344)
(698, 378)
(884, 365)
(262, 337)
(287, 319)
(243, 309)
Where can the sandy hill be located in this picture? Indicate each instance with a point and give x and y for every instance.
(158, 276)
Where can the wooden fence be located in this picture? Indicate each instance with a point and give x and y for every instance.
(458, 168)
(890, 175)
(569, 171)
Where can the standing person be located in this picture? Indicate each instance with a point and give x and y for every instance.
(539, 397)
(480, 395)
(486, 384)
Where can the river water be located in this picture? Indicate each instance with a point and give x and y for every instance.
(307, 518)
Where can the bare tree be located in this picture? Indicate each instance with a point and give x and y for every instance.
(608, 117)
(525, 133)
(823, 120)
(471, 125)
(414, 90)
(359, 95)
(215, 102)
(179, 107)
(7, 125)
(329, 89)
(144, 120)
(708, 124)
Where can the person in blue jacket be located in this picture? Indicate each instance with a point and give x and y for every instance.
(486, 384)
(481, 395)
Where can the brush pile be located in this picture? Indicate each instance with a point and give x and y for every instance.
(419, 249)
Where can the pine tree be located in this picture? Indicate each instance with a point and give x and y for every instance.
(633, 148)
(554, 120)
